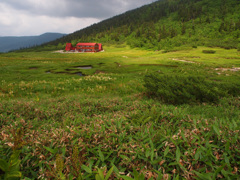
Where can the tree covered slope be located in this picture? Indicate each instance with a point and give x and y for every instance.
(166, 24)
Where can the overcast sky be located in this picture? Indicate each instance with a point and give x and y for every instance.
(35, 17)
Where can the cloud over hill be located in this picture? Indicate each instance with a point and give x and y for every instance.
(31, 17)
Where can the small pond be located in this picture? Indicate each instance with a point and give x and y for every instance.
(79, 74)
(83, 67)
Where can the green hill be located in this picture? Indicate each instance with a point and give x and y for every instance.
(166, 24)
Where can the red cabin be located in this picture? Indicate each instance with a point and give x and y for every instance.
(69, 47)
(87, 47)
(84, 47)
(100, 47)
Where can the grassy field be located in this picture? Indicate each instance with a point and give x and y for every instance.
(59, 120)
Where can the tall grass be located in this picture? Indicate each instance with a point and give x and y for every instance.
(104, 125)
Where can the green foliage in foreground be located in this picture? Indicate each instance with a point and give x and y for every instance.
(187, 89)
(11, 167)
(155, 139)
(104, 124)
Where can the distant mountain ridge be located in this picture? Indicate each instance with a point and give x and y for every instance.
(9, 43)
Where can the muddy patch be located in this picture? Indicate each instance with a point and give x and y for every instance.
(60, 72)
(118, 64)
(182, 60)
(234, 69)
(164, 65)
(232, 58)
(193, 57)
(70, 69)
(84, 67)
(99, 72)
(2, 91)
(69, 73)
(48, 72)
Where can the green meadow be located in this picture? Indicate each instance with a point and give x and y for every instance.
(106, 116)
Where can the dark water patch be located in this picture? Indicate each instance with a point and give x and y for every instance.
(79, 74)
(164, 65)
(60, 72)
(67, 73)
(70, 69)
(84, 67)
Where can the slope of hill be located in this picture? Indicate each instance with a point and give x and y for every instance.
(166, 24)
(13, 42)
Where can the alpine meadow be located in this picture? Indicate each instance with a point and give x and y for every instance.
(160, 102)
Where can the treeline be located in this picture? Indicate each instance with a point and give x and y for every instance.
(166, 24)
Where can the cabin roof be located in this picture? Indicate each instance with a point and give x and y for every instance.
(86, 44)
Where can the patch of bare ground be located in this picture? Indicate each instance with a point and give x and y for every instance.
(99, 72)
(231, 58)
(118, 64)
(234, 69)
(182, 60)
(62, 51)
(165, 65)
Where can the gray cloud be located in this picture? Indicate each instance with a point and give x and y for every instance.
(76, 8)
(22, 13)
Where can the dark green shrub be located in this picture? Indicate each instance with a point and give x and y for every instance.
(227, 48)
(167, 51)
(238, 47)
(194, 46)
(182, 89)
(209, 51)
(231, 88)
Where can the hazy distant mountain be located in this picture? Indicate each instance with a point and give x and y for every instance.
(9, 43)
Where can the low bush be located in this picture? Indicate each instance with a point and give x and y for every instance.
(167, 51)
(180, 89)
(209, 51)
(238, 48)
(227, 48)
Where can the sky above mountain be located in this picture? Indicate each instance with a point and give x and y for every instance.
(34, 17)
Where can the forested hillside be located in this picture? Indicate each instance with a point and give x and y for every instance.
(166, 24)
